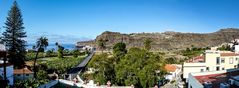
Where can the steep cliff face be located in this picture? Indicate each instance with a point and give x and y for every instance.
(167, 40)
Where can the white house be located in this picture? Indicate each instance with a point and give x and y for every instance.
(22, 74)
(211, 61)
(87, 48)
(173, 70)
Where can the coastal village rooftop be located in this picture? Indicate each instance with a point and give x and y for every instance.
(216, 79)
(170, 67)
(22, 71)
(220, 79)
(201, 58)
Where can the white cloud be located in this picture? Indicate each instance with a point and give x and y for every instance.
(52, 38)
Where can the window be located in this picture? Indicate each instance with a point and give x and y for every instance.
(231, 60)
(18, 75)
(223, 68)
(236, 58)
(207, 68)
(218, 60)
(218, 68)
(201, 70)
(222, 60)
(27, 74)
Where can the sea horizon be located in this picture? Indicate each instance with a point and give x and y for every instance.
(69, 46)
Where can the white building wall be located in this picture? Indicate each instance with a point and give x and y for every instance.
(210, 60)
(236, 48)
(192, 67)
(227, 64)
(193, 83)
(211, 63)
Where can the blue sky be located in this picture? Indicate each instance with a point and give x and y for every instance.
(69, 21)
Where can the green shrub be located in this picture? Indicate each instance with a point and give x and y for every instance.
(31, 56)
(60, 65)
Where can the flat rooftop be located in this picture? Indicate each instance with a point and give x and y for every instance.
(201, 59)
(197, 59)
(216, 79)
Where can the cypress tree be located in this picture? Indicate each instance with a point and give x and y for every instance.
(13, 36)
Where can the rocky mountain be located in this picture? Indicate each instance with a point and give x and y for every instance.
(167, 40)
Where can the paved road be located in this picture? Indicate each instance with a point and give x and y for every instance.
(86, 60)
(77, 70)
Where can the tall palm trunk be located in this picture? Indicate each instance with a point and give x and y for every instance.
(35, 60)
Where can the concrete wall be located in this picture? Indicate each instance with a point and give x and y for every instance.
(23, 76)
(192, 67)
(193, 83)
(213, 72)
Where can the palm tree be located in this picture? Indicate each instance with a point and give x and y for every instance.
(42, 42)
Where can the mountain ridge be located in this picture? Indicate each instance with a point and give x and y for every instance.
(168, 40)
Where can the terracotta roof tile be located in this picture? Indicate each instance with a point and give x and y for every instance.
(196, 59)
(170, 68)
(229, 54)
(22, 71)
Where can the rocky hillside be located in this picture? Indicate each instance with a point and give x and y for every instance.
(167, 40)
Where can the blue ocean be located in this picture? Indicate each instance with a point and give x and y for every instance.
(53, 46)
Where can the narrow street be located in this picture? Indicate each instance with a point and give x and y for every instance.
(77, 70)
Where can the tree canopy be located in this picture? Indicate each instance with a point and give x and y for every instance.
(119, 50)
(13, 36)
(137, 67)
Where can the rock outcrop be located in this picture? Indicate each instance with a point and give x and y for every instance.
(167, 40)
